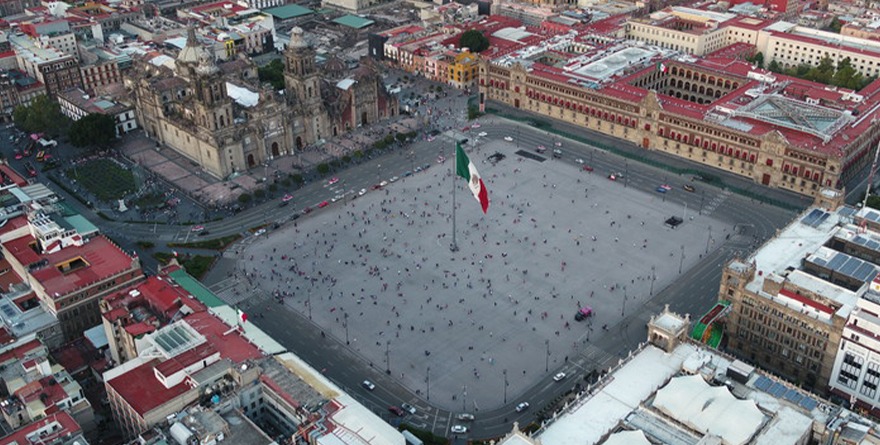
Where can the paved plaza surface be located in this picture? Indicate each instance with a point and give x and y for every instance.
(555, 238)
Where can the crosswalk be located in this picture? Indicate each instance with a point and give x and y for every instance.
(715, 202)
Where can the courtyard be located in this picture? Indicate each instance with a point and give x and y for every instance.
(377, 272)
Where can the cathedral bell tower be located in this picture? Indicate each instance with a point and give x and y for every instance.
(212, 106)
(301, 79)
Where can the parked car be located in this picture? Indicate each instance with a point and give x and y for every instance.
(458, 429)
(559, 377)
(540, 149)
(323, 204)
(689, 188)
(557, 153)
(522, 407)
(32, 171)
(587, 168)
(332, 181)
(368, 385)
(396, 411)
(508, 138)
(198, 228)
(465, 416)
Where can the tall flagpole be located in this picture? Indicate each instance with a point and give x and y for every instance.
(454, 246)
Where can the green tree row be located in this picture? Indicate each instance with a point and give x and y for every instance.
(844, 75)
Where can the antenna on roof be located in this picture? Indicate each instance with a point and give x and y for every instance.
(871, 175)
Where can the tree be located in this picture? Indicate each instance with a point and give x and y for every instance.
(43, 115)
(835, 25)
(272, 73)
(95, 129)
(473, 40)
(774, 66)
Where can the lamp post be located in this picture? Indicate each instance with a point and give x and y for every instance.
(309, 304)
(387, 361)
(428, 383)
(702, 197)
(547, 357)
(653, 277)
(464, 398)
(379, 172)
(505, 385)
(345, 324)
(623, 306)
(626, 172)
(681, 259)
(709, 239)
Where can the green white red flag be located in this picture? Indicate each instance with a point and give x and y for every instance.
(466, 169)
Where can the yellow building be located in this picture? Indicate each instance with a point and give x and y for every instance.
(464, 70)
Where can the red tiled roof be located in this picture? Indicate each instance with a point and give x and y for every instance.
(139, 329)
(18, 352)
(143, 392)
(5, 336)
(801, 299)
(61, 418)
(104, 259)
(13, 175)
(231, 345)
(185, 359)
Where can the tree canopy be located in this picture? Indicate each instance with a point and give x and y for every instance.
(473, 40)
(95, 129)
(43, 115)
(844, 75)
(272, 73)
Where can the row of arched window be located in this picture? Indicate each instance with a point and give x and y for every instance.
(585, 109)
(697, 141)
(702, 77)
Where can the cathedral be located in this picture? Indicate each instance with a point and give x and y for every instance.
(220, 117)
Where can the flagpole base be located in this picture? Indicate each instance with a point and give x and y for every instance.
(453, 248)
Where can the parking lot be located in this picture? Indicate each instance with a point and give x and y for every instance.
(378, 273)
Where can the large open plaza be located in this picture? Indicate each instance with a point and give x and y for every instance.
(377, 272)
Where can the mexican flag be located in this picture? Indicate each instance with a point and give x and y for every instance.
(242, 317)
(466, 169)
(662, 67)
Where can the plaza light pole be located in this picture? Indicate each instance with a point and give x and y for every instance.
(505, 385)
(345, 324)
(428, 383)
(623, 306)
(681, 259)
(702, 197)
(464, 398)
(709, 239)
(309, 304)
(653, 277)
(387, 362)
(547, 357)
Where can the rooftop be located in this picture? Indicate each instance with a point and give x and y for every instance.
(140, 388)
(56, 426)
(288, 11)
(353, 21)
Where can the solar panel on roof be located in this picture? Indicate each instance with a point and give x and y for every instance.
(808, 403)
(821, 219)
(813, 216)
(778, 390)
(864, 271)
(837, 261)
(849, 267)
(793, 396)
(873, 216)
(846, 211)
(873, 245)
(763, 383)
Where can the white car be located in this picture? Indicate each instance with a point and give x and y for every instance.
(368, 385)
(383, 183)
(458, 429)
(559, 377)
(408, 408)
(522, 407)
(579, 161)
(362, 192)
(393, 178)
(465, 416)
(476, 126)
(482, 134)
(508, 138)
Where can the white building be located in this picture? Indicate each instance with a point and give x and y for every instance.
(75, 104)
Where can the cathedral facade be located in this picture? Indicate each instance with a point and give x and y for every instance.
(222, 119)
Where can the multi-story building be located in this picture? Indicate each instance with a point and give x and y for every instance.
(67, 265)
(54, 69)
(55, 429)
(232, 28)
(130, 314)
(17, 88)
(13, 7)
(670, 390)
(76, 104)
(55, 34)
(191, 108)
(101, 66)
(36, 387)
(464, 70)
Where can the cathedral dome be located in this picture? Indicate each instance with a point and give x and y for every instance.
(192, 51)
(296, 38)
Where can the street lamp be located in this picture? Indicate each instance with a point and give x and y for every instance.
(309, 304)
(464, 398)
(547, 357)
(653, 277)
(387, 362)
(681, 259)
(428, 383)
(709, 239)
(345, 323)
(623, 306)
(505, 385)
(379, 172)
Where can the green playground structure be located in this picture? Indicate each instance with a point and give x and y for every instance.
(707, 330)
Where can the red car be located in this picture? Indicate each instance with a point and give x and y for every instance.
(587, 168)
(323, 204)
(32, 172)
(397, 411)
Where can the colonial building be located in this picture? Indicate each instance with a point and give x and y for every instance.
(227, 123)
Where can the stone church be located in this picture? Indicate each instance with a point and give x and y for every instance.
(220, 117)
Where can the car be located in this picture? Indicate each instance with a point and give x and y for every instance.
(483, 134)
(689, 188)
(441, 159)
(426, 166)
(560, 376)
(476, 126)
(558, 144)
(393, 178)
(522, 407)
(204, 233)
(587, 168)
(466, 128)
(434, 132)
(418, 169)
(508, 138)
(32, 171)
(458, 429)
(579, 161)
(408, 173)
(368, 385)
(661, 190)
(408, 408)
(465, 416)
(615, 176)
(431, 138)
(198, 228)
(383, 183)
(332, 181)
(464, 141)
(540, 149)
(336, 198)
(259, 232)
(18, 155)
(557, 153)
(287, 197)
(362, 192)
(306, 210)
(666, 186)
(396, 411)
(323, 204)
